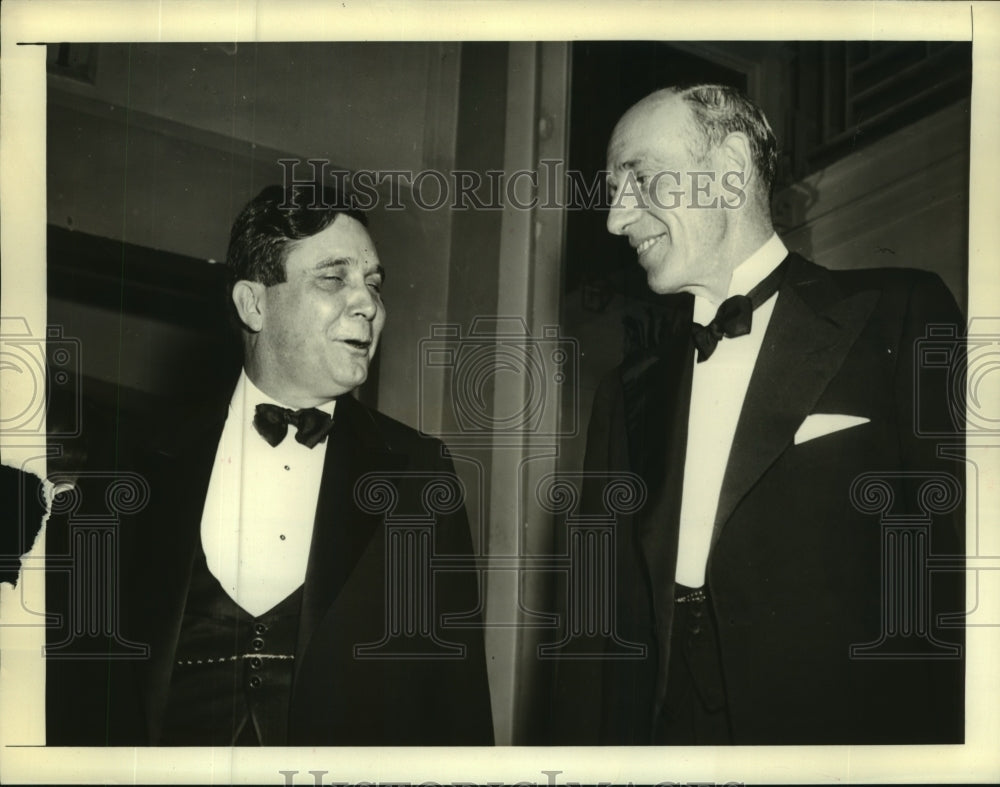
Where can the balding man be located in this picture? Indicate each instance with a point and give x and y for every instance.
(754, 578)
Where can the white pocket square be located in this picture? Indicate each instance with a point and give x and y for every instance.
(820, 424)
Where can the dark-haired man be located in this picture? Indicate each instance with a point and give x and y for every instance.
(258, 574)
(767, 424)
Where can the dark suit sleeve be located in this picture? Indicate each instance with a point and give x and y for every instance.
(930, 385)
(575, 717)
(930, 390)
(465, 686)
(605, 409)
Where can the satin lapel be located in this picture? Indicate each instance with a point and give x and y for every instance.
(657, 400)
(652, 391)
(182, 469)
(664, 442)
(810, 333)
(341, 532)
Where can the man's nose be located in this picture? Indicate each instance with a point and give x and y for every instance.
(624, 210)
(364, 302)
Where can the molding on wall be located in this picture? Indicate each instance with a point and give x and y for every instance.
(901, 202)
(938, 139)
(87, 102)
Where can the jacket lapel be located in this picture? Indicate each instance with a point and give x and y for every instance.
(654, 393)
(658, 440)
(657, 398)
(341, 532)
(810, 333)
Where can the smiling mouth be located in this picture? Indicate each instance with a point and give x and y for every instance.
(649, 243)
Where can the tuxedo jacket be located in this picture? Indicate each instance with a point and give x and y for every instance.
(813, 538)
(426, 691)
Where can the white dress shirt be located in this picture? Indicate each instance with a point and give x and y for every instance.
(257, 523)
(717, 393)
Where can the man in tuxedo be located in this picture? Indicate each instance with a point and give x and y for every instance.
(259, 565)
(775, 585)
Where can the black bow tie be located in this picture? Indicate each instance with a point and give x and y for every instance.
(312, 425)
(735, 315)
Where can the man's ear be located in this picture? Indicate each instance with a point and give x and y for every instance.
(735, 150)
(248, 297)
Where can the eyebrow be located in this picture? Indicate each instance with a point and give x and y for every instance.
(341, 262)
(625, 166)
(628, 166)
